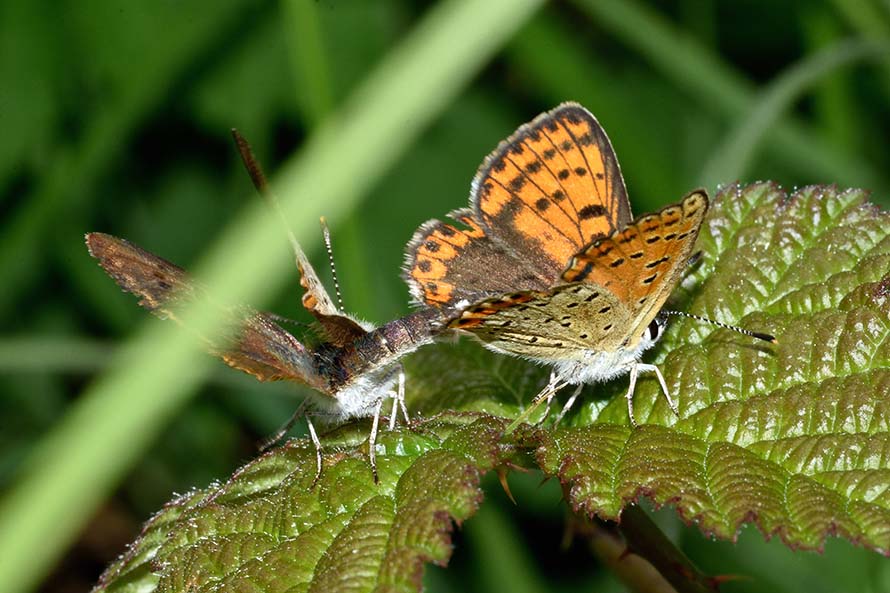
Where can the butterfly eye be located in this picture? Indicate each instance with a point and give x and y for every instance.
(653, 332)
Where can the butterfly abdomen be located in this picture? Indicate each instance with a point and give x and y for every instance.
(377, 349)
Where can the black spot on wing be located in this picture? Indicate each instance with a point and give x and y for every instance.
(591, 211)
(657, 262)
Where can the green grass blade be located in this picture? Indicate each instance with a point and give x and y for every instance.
(77, 356)
(840, 120)
(731, 159)
(313, 93)
(503, 563)
(75, 466)
(76, 169)
(865, 16)
(714, 84)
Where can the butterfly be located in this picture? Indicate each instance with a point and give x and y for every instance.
(351, 366)
(548, 264)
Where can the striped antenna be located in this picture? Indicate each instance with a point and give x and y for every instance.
(747, 332)
(327, 244)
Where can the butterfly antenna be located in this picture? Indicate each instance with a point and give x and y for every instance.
(262, 186)
(747, 332)
(326, 232)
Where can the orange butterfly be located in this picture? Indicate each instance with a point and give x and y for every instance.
(549, 265)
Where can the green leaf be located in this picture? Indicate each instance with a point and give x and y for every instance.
(270, 528)
(792, 437)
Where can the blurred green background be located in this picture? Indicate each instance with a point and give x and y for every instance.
(115, 117)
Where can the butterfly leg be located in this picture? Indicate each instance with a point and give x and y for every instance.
(664, 389)
(399, 401)
(395, 409)
(629, 396)
(549, 391)
(634, 371)
(317, 443)
(402, 395)
(372, 440)
(545, 395)
(273, 440)
(571, 401)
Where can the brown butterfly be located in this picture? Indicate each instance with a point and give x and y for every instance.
(352, 366)
(549, 265)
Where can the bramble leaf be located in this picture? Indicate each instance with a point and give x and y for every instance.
(270, 529)
(794, 437)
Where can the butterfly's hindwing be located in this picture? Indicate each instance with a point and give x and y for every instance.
(445, 264)
(554, 325)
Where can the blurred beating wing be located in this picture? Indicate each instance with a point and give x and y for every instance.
(336, 327)
(551, 188)
(255, 344)
(642, 263)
